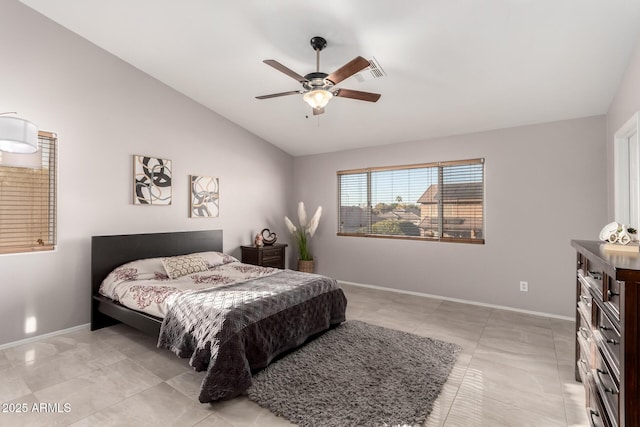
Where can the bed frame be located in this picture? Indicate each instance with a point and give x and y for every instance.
(109, 252)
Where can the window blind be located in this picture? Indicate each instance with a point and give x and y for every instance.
(28, 198)
(434, 201)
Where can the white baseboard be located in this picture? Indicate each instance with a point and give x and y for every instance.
(463, 301)
(49, 335)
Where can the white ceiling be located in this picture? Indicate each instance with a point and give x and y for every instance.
(452, 67)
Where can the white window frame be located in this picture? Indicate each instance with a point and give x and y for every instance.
(627, 172)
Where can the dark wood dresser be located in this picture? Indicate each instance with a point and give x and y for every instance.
(608, 333)
(266, 256)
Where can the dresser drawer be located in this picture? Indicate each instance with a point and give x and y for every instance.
(593, 273)
(584, 362)
(585, 303)
(612, 297)
(609, 339)
(595, 410)
(607, 386)
(584, 328)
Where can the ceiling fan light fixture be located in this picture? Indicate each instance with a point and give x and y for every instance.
(318, 98)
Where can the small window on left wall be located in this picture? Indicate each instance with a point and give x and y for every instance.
(28, 198)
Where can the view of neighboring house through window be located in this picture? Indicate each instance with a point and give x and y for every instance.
(435, 201)
(28, 198)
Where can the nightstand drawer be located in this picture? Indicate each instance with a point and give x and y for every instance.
(272, 262)
(265, 256)
(271, 253)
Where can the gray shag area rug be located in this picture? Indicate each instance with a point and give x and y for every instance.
(357, 375)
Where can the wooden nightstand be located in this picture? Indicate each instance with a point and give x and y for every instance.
(266, 256)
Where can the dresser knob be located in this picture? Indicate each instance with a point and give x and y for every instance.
(595, 275)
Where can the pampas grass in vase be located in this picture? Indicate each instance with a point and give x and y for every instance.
(302, 233)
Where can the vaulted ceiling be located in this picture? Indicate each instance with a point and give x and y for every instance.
(451, 67)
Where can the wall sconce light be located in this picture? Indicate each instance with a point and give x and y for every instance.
(17, 135)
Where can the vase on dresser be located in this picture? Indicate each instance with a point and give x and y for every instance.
(306, 266)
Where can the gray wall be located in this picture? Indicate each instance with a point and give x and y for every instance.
(544, 185)
(625, 104)
(104, 111)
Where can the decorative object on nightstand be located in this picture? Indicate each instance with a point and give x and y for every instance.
(265, 256)
(268, 237)
(305, 258)
(258, 241)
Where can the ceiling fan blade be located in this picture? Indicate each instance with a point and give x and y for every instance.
(275, 95)
(278, 66)
(356, 94)
(318, 111)
(348, 69)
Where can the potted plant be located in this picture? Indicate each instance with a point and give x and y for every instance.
(301, 233)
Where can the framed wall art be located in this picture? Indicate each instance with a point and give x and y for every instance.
(205, 197)
(151, 181)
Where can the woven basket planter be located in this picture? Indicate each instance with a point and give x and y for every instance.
(306, 266)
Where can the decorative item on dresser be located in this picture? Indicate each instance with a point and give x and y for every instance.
(608, 333)
(265, 256)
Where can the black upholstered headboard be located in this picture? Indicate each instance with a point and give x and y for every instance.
(109, 252)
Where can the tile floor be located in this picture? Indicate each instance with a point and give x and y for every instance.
(515, 370)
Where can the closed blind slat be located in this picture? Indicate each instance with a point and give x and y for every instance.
(28, 198)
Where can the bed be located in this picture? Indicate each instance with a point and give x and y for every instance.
(230, 329)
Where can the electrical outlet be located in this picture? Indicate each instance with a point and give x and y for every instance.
(524, 286)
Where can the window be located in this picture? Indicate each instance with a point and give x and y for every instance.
(28, 198)
(436, 201)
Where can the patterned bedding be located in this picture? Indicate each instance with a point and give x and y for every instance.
(233, 318)
(143, 285)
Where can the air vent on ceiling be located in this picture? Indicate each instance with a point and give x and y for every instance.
(373, 71)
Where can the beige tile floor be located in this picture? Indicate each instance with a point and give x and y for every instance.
(515, 370)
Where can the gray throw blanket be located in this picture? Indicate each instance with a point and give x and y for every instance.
(231, 330)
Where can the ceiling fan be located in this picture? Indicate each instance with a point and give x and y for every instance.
(317, 87)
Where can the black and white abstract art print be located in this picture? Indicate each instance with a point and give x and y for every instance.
(152, 181)
(205, 197)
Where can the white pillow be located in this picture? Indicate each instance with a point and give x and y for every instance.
(182, 265)
(216, 258)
